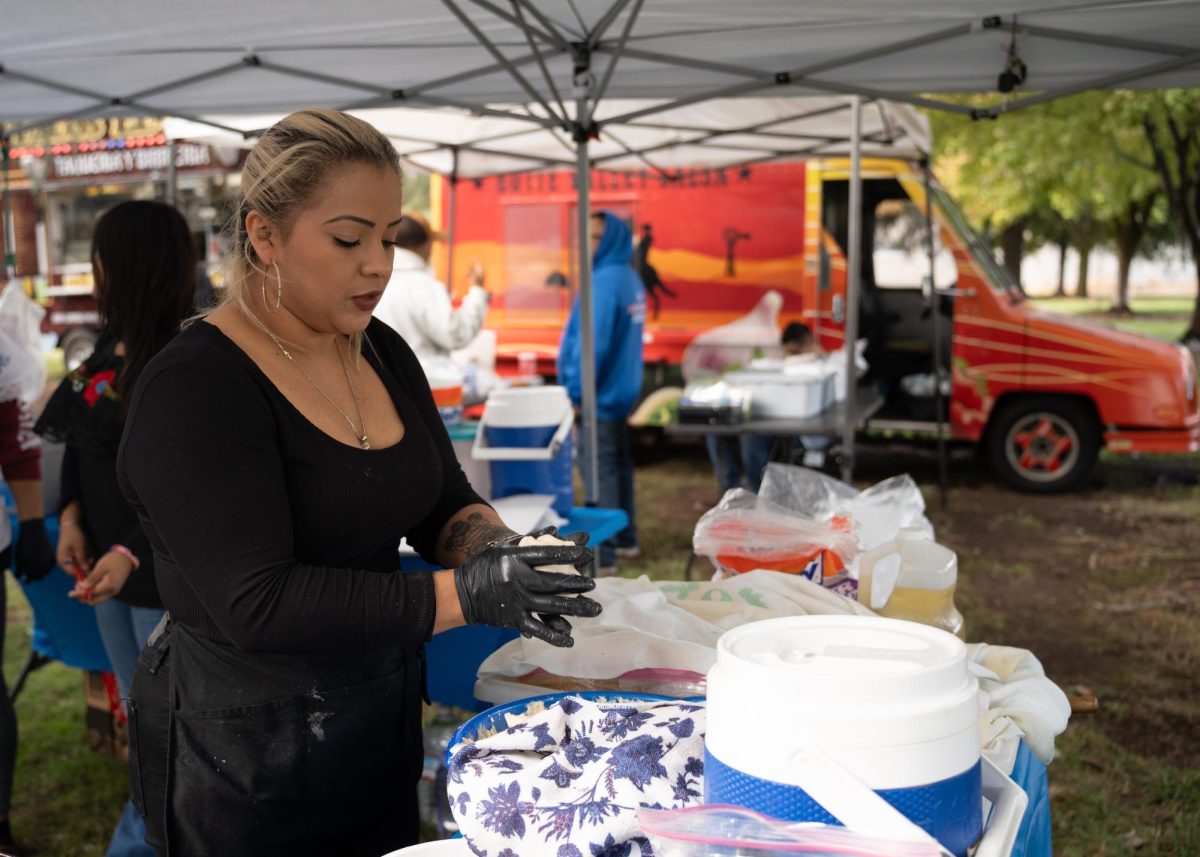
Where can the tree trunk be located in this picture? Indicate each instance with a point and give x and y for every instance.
(1179, 172)
(1063, 246)
(1193, 331)
(1124, 261)
(1085, 253)
(1012, 242)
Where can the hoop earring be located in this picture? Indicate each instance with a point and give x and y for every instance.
(278, 290)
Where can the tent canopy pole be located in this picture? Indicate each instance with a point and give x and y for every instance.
(10, 232)
(853, 289)
(451, 204)
(934, 305)
(587, 333)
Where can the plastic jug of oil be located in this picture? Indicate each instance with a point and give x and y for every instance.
(911, 577)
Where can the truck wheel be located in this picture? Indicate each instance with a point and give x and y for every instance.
(1043, 445)
(77, 346)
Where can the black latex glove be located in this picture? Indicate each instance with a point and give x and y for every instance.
(34, 557)
(501, 587)
(580, 538)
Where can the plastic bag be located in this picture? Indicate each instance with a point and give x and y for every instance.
(745, 532)
(22, 366)
(732, 831)
(655, 630)
(734, 345)
(878, 513)
(804, 491)
(837, 360)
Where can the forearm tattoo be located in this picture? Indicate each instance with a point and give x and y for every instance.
(474, 533)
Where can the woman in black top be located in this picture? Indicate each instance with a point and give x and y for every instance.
(145, 267)
(277, 452)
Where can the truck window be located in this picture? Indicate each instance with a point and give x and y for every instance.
(893, 310)
(901, 260)
(533, 254)
(997, 275)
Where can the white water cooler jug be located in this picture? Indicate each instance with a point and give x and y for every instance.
(801, 707)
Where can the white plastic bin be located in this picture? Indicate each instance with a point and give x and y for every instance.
(790, 395)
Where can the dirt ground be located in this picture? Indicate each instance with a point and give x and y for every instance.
(1102, 585)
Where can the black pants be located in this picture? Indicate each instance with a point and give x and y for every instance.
(8, 717)
(322, 772)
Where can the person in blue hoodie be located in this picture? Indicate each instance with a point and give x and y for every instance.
(619, 314)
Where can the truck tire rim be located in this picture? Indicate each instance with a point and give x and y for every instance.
(1042, 447)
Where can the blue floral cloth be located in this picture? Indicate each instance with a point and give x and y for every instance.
(567, 781)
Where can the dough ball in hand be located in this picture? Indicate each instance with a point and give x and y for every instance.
(526, 541)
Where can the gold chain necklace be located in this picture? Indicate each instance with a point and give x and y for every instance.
(360, 435)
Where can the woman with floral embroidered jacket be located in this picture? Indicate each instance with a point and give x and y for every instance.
(144, 267)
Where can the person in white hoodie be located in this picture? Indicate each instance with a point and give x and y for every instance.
(417, 305)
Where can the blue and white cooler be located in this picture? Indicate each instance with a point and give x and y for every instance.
(525, 435)
(847, 719)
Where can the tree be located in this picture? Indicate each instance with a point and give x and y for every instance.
(1047, 226)
(1170, 123)
(989, 169)
(1071, 171)
(1129, 229)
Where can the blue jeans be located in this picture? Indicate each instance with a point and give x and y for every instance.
(129, 839)
(739, 462)
(124, 630)
(615, 488)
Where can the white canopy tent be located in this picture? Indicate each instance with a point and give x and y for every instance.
(560, 59)
(79, 57)
(717, 133)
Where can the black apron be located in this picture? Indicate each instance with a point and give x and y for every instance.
(235, 754)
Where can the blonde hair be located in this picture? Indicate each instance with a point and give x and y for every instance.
(282, 173)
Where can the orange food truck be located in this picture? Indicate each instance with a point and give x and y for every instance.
(1040, 392)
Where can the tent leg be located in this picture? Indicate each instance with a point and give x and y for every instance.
(853, 288)
(450, 219)
(173, 174)
(934, 302)
(10, 232)
(36, 660)
(587, 332)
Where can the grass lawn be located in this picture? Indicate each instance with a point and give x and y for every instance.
(1101, 585)
(66, 796)
(1160, 318)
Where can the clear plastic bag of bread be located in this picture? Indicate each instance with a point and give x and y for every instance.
(745, 532)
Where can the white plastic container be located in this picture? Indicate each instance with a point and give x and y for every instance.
(794, 394)
(797, 704)
(911, 577)
(446, 383)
